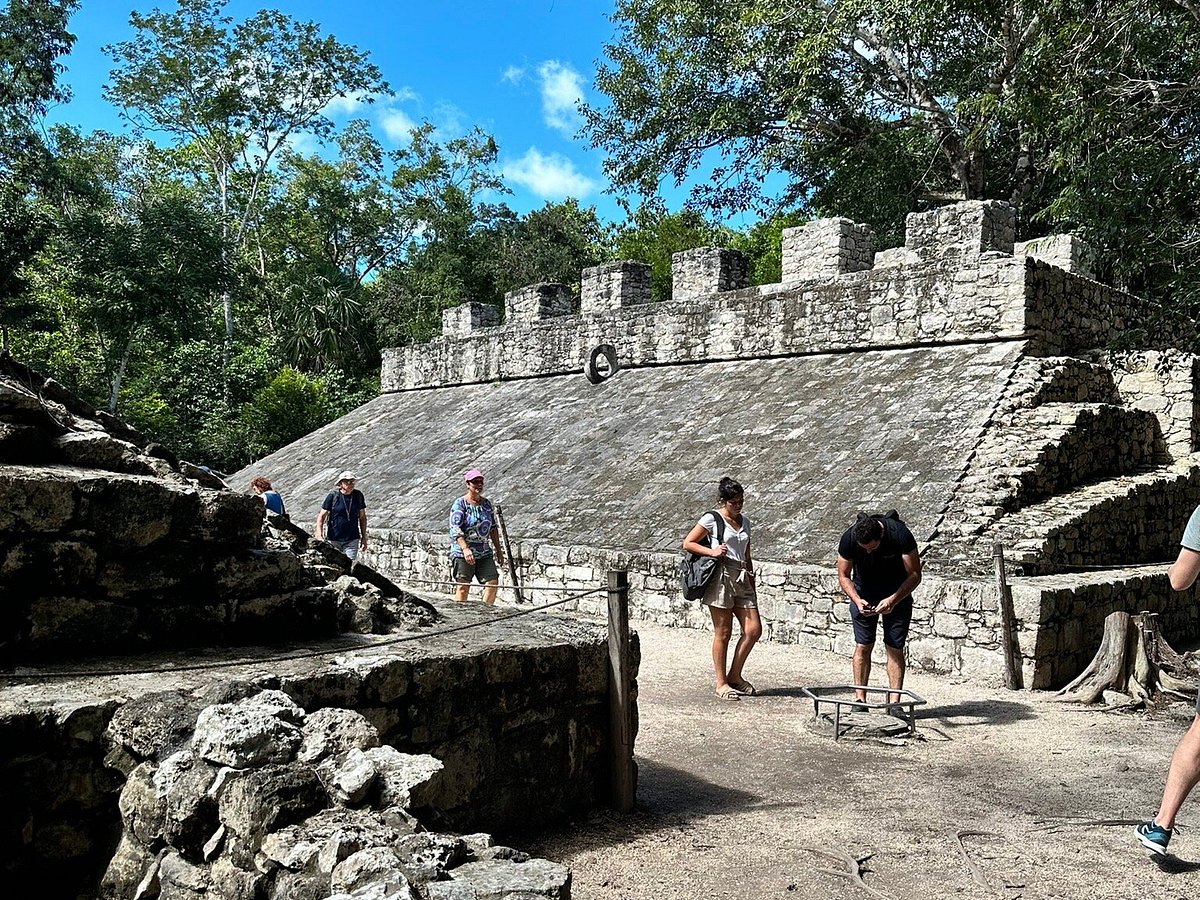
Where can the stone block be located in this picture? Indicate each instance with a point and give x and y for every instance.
(461, 320)
(932, 655)
(981, 662)
(1065, 251)
(826, 247)
(700, 273)
(613, 286)
(961, 233)
(537, 302)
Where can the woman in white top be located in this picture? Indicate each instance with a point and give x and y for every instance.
(731, 592)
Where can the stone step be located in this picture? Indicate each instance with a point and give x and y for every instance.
(1128, 519)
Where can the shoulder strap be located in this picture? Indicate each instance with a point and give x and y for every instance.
(720, 525)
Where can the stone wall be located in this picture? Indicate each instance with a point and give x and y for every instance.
(600, 465)
(826, 247)
(935, 300)
(696, 274)
(1070, 610)
(1163, 382)
(955, 622)
(614, 285)
(518, 715)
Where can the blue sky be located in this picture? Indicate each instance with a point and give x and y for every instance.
(515, 68)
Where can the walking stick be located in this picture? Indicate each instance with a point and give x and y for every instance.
(512, 563)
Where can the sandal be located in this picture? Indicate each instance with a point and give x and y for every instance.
(726, 692)
(743, 687)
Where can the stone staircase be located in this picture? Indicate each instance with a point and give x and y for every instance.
(1060, 451)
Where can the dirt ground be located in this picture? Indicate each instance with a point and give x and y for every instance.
(734, 797)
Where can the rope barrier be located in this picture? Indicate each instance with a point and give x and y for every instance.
(503, 587)
(308, 654)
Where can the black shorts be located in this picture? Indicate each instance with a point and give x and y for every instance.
(895, 624)
(483, 570)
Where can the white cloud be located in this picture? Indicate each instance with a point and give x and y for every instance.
(513, 74)
(550, 176)
(562, 92)
(345, 106)
(449, 119)
(396, 124)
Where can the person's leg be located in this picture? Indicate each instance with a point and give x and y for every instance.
(895, 670)
(864, 642)
(895, 635)
(461, 573)
(861, 667)
(722, 620)
(489, 592)
(750, 625)
(1183, 775)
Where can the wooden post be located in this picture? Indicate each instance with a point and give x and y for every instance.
(1012, 667)
(512, 563)
(624, 779)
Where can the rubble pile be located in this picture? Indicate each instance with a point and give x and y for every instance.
(260, 800)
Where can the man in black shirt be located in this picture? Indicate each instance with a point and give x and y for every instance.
(878, 569)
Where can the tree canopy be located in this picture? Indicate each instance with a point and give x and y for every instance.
(874, 109)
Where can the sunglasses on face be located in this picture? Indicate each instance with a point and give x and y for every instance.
(478, 482)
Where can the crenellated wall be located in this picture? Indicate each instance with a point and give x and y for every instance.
(957, 282)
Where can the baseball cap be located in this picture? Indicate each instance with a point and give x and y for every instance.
(472, 474)
(345, 476)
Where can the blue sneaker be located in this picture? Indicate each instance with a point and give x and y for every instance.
(1154, 837)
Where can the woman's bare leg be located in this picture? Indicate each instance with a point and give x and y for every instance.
(489, 593)
(722, 620)
(751, 628)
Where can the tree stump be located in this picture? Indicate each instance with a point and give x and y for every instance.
(1134, 659)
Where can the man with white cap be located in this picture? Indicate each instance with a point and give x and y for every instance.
(345, 511)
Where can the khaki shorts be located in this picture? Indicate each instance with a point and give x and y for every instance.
(483, 570)
(731, 587)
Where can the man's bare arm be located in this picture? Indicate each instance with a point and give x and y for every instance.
(321, 517)
(1185, 569)
(844, 567)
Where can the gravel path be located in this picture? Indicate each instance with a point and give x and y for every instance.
(732, 796)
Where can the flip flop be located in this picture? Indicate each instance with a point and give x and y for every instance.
(726, 693)
(743, 687)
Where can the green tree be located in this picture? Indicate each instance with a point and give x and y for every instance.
(652, 235)
(553, 243)
(33, 35)
(237, 94)
(133, 256)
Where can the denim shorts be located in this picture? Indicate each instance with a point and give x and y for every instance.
(483, 570)
(895, 624)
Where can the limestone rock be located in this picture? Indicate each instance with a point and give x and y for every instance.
(428, 857)
(226, 518)
(154, 725)
(97, 450)
(328, 837)
(332, 730)
(183, 782)
(375, 866)
(141, 812)
(499, 879)
(405, 779)
(182, 880)
(257, 802)
(349, 777)
(228, 882)
(79, 622)
(245, 734)
(128, 867)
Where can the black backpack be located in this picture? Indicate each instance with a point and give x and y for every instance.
(696, 571)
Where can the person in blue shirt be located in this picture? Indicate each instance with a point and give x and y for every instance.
(268, 495)
(1184, 773)
(472, 527)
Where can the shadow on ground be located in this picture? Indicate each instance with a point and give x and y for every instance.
(668, 798)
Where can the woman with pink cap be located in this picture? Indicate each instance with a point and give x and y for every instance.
(472, 526)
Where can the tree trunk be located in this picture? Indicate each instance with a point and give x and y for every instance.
(1134, 659)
